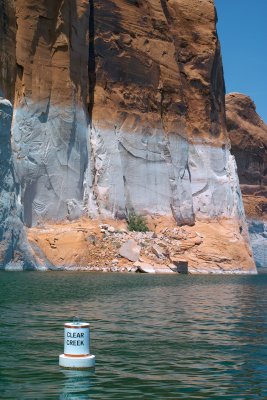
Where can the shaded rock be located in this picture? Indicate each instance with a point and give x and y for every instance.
(179, 265)
(173, 267)
(248, 135)
(15, 251)
(258, 238)
(130, 250)
(8, 67)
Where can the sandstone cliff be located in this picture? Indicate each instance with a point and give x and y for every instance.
(119, 106)
(162, 146)
(50, 120)
(155, 98)
(248, 135)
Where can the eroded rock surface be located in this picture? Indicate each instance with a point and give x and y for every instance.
(162, 146)
(50, 118)
(14, 248)
(248, 134)
(148, 76)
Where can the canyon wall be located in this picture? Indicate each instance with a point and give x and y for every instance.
(156, 77)
(248, 135)
(155, 98)
(119, 107)
(157, 141)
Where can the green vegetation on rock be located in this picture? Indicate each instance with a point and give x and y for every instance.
(137, 223)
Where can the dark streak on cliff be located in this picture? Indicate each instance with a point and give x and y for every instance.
(91, 60)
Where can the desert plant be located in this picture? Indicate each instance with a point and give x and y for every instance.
(137, 223)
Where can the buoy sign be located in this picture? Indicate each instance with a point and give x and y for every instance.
(76, 339)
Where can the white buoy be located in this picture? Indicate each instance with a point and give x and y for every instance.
(77, 346)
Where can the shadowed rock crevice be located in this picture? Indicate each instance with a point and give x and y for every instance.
(7, 49)
(166, 11)
(217, 113)
(4, 22)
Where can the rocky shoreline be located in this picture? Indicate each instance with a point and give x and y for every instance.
(108, 246)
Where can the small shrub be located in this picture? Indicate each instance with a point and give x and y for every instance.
(137, 223)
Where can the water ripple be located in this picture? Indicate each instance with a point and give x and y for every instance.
(155, 337)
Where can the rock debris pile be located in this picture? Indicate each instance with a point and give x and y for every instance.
(90, 245)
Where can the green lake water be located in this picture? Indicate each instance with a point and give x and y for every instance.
(154, 337)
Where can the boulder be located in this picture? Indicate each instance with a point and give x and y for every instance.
(162, 269)
(130, 250)
(145, 267)
(153, 269)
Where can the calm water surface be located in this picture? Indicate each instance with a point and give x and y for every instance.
(155, 337)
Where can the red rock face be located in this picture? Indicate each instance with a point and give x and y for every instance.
(51, 52)
(158, 64)
(148, 76)
(248, 135)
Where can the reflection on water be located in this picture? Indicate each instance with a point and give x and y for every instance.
(76, 385)
(155, 337)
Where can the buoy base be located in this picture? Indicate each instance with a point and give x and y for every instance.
(77, 362)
